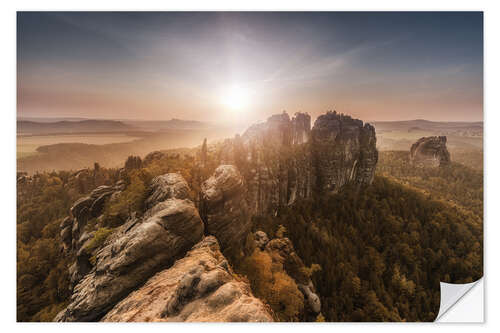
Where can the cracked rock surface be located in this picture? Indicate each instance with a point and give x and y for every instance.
(199, 287)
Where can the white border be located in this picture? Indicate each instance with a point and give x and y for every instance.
(8, 167)
(468, 308)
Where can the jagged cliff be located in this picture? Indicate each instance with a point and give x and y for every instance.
(223, 206)
(104, 275)
(285, 159)
(142, 270)
(343, 151)
(430, 151)
(133, 253)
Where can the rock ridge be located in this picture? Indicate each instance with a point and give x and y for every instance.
(200, 287)
(135, 251)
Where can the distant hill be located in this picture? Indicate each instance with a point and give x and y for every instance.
(426, 125)
(84, 126)
(51, 119)
(162, 125)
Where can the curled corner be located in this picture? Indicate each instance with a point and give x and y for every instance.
(455, 296)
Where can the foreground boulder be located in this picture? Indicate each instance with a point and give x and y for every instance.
(200, 287)
(224, 208)
(132, 254)
(77, 233)
(170, 185)
(430, 151)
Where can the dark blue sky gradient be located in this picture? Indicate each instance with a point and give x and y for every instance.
(374, 65)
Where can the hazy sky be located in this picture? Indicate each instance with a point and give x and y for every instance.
(245, 66)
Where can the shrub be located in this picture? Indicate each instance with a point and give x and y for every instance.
(100, 237)
(272, 284)
(119, 208)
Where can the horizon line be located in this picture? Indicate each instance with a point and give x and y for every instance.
(18, 118)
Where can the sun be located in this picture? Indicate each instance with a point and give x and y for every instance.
(236, 98)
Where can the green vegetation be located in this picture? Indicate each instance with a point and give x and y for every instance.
(100, 237)
(374, 254)
(456, 184)
(382, 250)
(272, 284)
(42, 269)
(472, 158)
(119, 208)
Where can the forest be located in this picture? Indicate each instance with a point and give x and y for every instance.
(382, 250)
(379, 252)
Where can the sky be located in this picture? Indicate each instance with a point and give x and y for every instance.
(245, 66)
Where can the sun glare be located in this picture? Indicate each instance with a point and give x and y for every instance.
(236, 98)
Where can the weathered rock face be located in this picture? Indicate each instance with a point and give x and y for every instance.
(83, 210)
(301, 128)
(274, 160)
(283, 159)
(430, 151)
(170, 185)
(199, 287)
(272, 165)
(75, 233)
(137, 250)
(224, 208)
(343, 151)
(282, 250)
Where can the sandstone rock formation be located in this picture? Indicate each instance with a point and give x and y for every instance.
(283, 159)
(84, 209)
(224, 208)
(343, 151)
(430, 151)
(170, 185)
(137, 250)
(271, 165)
(199, 287)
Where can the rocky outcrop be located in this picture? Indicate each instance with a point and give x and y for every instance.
(271, 165)
(200, 287)
(136, 251)
(283, 159)
(343, 151)
(170, 185)
(430, 151)
(282, 251)
(224, 208)
(83, 210)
